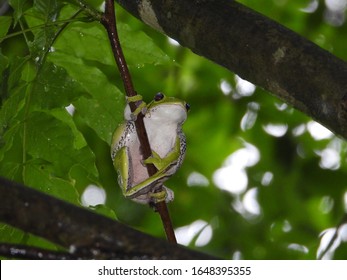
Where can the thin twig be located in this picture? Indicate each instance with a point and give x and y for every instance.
(109, 22)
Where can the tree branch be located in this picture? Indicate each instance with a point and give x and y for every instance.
(80, 231)
(258, 50)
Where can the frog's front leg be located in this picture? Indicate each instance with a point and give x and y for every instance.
(169, 160)
(141, 106)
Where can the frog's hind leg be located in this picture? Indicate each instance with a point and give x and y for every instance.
(121, 163)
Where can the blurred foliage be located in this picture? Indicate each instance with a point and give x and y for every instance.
(260, 180)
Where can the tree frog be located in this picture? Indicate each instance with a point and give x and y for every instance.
(163, 119)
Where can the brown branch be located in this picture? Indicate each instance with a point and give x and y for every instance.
(109, 22)
(257, 49)
(80, 231)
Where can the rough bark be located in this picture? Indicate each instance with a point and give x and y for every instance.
(80, 231)
(257, 49)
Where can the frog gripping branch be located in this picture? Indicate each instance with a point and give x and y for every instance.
(149, 146)
(163, 119)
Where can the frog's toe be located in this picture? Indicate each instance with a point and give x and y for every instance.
(157, 197)
(166, 195)
(169, 195)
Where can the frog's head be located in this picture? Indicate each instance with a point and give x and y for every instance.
(167, 109)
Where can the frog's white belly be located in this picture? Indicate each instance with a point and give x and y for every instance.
(162, 138)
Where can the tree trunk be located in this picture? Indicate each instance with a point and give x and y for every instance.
(257, 49)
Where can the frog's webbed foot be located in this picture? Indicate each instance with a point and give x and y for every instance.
(165, 194)
(141, 106)
(157, 197)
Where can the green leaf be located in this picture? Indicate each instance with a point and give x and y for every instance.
(28, 72)
(5, 23)
(41, 176)
(19, 7)
(137, 46)
(14, 81)
(48, 9)
(104, 210)
(97, 4)
(103, 111)
(88, 41)
(55, 88)
(139, 49)
(42, 14)
(52, 141)
(4, 62)
(11, 155)
(10, 134)
(100, 114)
(10, 234)
(36, 241)
(64, 116)
(13, 96)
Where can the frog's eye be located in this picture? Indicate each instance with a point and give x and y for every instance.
(159, 96)
(187, 107)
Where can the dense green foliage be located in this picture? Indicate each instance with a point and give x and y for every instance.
(260, 179)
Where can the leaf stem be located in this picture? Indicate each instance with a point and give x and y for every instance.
(26, 30)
